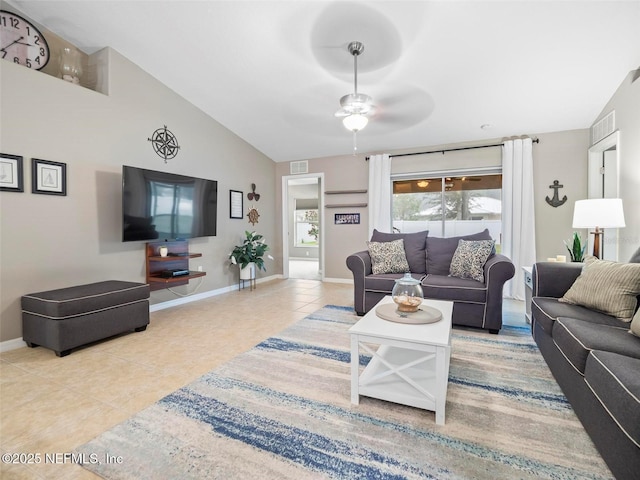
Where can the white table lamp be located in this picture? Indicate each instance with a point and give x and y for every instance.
(598, 213)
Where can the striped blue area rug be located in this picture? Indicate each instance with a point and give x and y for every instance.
(282, 411)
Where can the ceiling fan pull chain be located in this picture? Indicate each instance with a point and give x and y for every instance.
(355, 144)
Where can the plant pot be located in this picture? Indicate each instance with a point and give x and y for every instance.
(248, 272)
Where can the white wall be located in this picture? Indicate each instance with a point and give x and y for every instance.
(49, 242)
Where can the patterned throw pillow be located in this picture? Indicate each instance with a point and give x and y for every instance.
(469, 259)
(608, 287)
(388, 257)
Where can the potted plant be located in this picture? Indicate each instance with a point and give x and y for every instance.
(576, 251)
(250, 253)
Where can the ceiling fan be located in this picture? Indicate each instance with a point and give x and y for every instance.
(355, 107)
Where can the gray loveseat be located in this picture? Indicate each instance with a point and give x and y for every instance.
(476, 304)
(596, 362)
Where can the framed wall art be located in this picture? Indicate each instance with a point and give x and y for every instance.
(235, 204)
(48, 178)
(347, 219)
(11, 174)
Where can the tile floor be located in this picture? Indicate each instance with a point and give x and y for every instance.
(307, 269)
(50, 405)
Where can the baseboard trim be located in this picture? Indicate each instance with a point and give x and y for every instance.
(201, 296)
(14, 344)
(338, 280)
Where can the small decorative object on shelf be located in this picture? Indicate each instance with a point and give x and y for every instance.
(407, 294)
(576, 250)
(164, 251)
(70, 65)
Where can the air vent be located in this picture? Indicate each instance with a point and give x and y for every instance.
(296, 168)
(603, 128)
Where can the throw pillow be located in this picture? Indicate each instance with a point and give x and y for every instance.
(415, 247)
(635, 324)
(608, 287)
(388, 257)
(440, 251)
(469, 259)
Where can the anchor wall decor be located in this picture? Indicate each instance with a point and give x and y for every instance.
(555, 201)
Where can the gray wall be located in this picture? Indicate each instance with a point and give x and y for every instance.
(626, 103)
(49, 242)
(559, 156)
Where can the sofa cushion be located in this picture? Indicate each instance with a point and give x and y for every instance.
(546, 310)
(614, 380)
(440, 251)
(635, 324)
(388, 257)
(576, 338)
(469, 259)
(608, 287)
(384, 282)
(415, 247)
(443, 287)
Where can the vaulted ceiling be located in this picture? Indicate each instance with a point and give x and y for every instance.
(273, 71)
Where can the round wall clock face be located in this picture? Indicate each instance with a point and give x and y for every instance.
(21, 42)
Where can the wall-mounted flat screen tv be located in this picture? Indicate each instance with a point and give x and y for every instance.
(166, 206)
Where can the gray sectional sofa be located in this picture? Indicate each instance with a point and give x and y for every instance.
(476, 304)
(596, 362)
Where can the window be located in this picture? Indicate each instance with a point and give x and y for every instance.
(306, 228)
(449, 205)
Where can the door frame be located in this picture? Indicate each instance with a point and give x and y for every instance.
(595, 187)
(285, 221)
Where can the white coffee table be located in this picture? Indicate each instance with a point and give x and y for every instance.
(411, 364)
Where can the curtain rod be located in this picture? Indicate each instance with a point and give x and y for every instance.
(535, 140)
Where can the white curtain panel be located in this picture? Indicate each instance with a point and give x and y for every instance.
(379, 193)
(518, 216)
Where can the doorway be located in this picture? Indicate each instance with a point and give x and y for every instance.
(303, 232)
(604, 182)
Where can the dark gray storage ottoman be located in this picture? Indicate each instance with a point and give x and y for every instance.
(70, 317)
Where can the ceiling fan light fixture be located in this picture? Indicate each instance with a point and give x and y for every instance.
(357, 103)
(355, 122)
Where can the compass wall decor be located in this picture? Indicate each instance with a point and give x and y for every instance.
(165, 143)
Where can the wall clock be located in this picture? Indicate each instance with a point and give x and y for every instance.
(21, 42)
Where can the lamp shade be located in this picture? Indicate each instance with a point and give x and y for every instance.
(355, 122)
(598, 212)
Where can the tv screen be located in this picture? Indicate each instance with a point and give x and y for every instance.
(166, 206)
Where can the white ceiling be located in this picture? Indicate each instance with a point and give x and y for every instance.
(273, 71)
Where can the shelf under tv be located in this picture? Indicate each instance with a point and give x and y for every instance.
(178, 259)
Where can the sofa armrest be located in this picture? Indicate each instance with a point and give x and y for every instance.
(553, 279)
(360, 263)
(498, 269)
